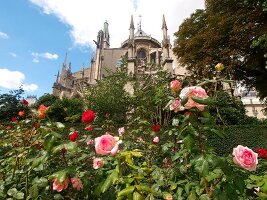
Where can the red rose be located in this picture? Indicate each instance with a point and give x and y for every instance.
(14, 119)
(156, 128)
(88, 116)
(262, 153)
(73, 136)
(89, 128)
(25, 102)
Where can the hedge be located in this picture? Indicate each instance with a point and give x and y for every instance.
(250, 136)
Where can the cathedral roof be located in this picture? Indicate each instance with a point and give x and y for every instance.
(140, 35)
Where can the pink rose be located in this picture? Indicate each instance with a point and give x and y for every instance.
(175, 105)
(77, 183)
(98, 163)
(245, 158)
(175, 85)
(194, 91)
(60, 186)
(156, 140)
(121, 131)
(88, 142)
(106, 144)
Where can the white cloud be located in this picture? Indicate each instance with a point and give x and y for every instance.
(12, 54)
(85, 18)
(3, 35)
(15, 79)
(45, 55)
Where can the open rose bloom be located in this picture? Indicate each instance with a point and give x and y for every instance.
(77, 183)
(98, 163)
(194, 91)
(42, 111)
(245, 158)
(60, 186)
(107, 144)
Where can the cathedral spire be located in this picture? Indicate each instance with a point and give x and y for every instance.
(164, 25)
(65, 60)
(57, 80)
(132, 23)
(131, 29)
(164, 29)
(106, 35)
(69, 68)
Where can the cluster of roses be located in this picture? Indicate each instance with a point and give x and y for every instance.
(20, 114)
(186, 92)
(104, 145)
(242, 156)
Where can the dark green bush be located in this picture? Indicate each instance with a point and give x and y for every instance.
(250, 136)
(63, 110)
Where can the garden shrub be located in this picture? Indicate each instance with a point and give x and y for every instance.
(249, 135)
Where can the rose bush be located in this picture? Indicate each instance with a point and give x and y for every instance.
(164, 156)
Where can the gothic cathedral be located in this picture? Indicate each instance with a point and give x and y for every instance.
(140, 51)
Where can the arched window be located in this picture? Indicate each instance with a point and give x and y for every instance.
(142, 56)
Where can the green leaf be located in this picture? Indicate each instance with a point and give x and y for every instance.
(34, 191)
(109, 181)
(189, 142)
(71, 147)
(12, 191)
(126, 191)
(60, 125)
(19, 195)
(144, 188)
(58, 197)
(206, 101)
(49, 142)
(42, 182)
(184, 100)
(202, 166)
(204, 197)
(137, 153)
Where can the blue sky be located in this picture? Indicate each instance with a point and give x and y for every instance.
(36, 34)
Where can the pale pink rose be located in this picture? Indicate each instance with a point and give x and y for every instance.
(194, 91)
(175, 85)
(88, 142)
(175, 105)
(245, 158)
(98, 163)
(106, 144)
(156, 140)
(121, 131)
(59, 187)
(77, 183)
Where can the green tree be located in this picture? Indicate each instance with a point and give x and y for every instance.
(66, 110)
(226, 31)
(10, 104)
(46, 99)
(108, 98)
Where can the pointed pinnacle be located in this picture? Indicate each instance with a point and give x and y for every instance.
(164, 25)
(132, 23)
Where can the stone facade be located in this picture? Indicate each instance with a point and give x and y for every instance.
(140, 51)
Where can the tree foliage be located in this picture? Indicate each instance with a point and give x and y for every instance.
(108, 98)
(229, 31)
(10, 104)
